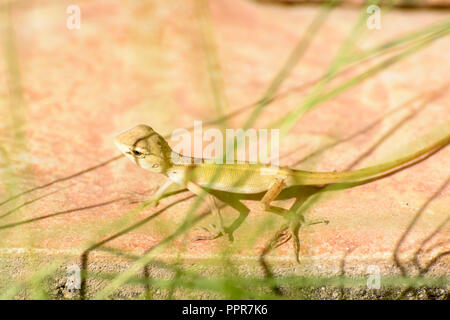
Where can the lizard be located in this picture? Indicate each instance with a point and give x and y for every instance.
(150, 151)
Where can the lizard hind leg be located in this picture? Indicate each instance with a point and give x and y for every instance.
(295, 227)
(290, 230)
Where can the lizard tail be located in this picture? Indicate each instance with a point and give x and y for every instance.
(323, 178)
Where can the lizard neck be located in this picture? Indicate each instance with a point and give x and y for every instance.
(178, 167)
(177, 159)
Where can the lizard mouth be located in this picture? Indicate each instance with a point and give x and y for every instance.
(123, 148)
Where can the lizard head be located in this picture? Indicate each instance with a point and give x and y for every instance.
(145, 147)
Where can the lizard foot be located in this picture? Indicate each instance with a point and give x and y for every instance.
(318, 221)
(290, 231)
(212, 232)
(286, 233)
(283, 235)
(137, 197)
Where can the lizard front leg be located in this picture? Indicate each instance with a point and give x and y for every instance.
(220, 229)
(155, 197)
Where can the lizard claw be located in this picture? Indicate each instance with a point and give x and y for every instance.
(136, 197)
(282, 236)
(212, 232)
(205, 229)
(285, 234)
(211, 236)
(290, 231)
(312, 222)
(151, 203)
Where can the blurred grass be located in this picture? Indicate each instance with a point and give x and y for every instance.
(13, 148)
(231, 286)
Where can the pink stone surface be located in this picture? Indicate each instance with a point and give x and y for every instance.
(134, 62)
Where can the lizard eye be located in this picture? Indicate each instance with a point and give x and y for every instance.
(155, 165)
(137, 153)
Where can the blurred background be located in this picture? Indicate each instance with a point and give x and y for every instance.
(347, 85)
